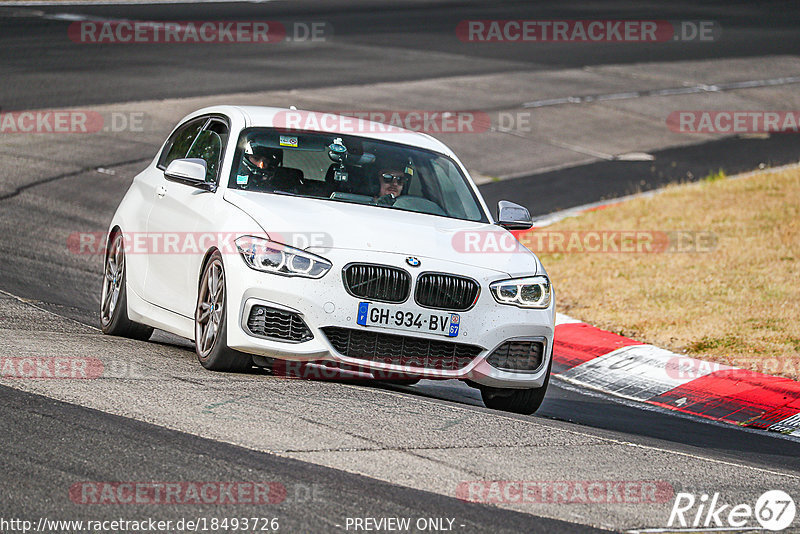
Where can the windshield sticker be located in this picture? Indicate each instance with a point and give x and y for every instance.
(241, 179)
(409, 171)
(287, 140)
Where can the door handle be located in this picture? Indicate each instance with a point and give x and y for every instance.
(161, 191)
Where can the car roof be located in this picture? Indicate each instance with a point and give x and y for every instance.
(273, 117)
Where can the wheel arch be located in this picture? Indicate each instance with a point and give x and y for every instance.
(116, 229)
(210, 252)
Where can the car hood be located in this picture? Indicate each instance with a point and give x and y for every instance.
(317, 225)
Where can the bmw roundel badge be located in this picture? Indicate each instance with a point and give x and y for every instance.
(412, 261)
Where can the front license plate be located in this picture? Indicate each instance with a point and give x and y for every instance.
(431, 322)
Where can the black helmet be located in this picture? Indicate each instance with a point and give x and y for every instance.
(261, 160)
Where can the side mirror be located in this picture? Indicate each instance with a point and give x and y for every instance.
(513, 216)
(190, 171)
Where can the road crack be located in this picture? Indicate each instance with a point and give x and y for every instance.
(52, 179)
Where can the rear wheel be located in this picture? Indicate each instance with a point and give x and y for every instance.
(522, 401)
(114, 319)
(210, 338)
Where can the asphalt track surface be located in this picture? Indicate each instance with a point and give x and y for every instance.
(61, 437)
(414, 40)
(47, 444)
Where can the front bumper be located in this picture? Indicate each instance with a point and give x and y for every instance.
(326, 303)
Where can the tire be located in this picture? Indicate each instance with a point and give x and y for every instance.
(521, 401)
(114, 319)
(210, 322)
(403, 381)
(397, 381)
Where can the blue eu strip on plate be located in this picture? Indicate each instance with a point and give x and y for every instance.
(363, 309)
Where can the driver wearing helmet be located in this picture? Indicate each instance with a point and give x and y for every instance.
(260, 164)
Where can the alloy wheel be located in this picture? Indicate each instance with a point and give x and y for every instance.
(210, 307)
(112, 280)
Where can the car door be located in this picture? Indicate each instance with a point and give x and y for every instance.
(182, 219)
(143, 195)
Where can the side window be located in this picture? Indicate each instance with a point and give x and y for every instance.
(208, 146)
(178, 145)
(457, 201)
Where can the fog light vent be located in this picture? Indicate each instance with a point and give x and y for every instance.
(278, 324)
(518, 356)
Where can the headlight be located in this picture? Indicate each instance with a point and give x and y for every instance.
(531, 292)
(271, 257)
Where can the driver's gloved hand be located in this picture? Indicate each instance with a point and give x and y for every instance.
(386, 200)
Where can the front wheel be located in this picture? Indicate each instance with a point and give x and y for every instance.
(394, 379)
(114, 319)
(210, 338)
(522, 401)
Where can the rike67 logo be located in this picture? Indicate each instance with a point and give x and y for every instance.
(774, 510)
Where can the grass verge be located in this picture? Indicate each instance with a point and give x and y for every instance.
(710, 269)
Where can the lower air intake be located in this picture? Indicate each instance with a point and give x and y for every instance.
(407, 351)
(517, 356)
(278, 324)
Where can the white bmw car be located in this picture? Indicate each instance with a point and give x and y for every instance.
(338, 244)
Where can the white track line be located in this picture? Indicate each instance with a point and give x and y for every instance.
(32, 304)
(668, 91)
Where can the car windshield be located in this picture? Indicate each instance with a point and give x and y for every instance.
(343, 168)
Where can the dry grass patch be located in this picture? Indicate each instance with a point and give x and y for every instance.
(735, 298)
